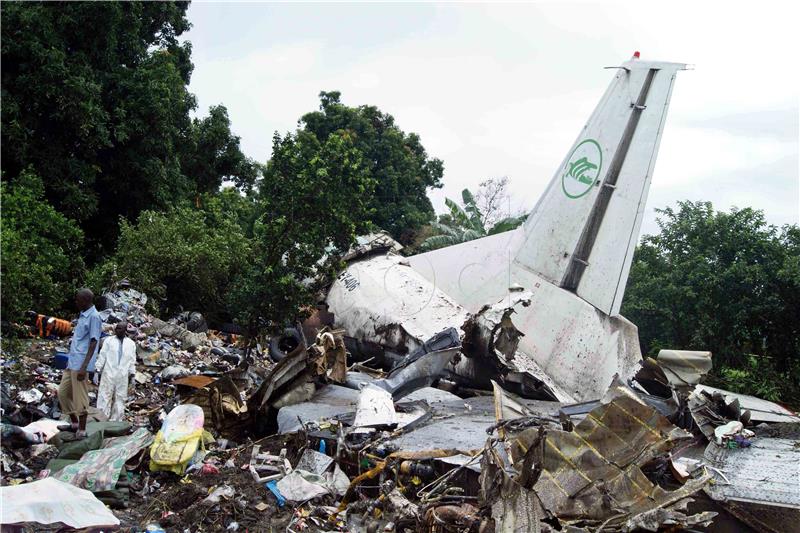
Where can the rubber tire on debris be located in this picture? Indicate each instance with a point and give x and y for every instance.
(103, 303)
(282, 345)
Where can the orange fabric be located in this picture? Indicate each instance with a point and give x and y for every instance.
(46, 326)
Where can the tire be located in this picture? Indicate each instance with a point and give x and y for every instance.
(282, 345)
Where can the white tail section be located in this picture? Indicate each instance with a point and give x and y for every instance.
(582, 232)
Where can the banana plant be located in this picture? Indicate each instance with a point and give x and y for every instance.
(466, 224)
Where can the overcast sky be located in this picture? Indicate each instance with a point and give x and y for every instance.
(498, 90)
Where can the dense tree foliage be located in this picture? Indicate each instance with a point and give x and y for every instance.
(313, 201)
(396, 160)
(41, 250)
(724, 282)
(184, 258)
(95, 100)
(210, 154)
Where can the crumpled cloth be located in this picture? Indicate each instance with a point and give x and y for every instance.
(99, 470)
(301, 485)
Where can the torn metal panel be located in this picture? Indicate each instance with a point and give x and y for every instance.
(418, 374)
(282, 373)
(314, 462)
(658, 518)
(491, 330)
(704, 413)
(768, 472)
(760, 410)
(328, 402)
(506, 406)
(512, 414)
(457, 424)
(375, 408)
(465, 430)
(299, 391)
(592, 474)
(333, 400)
(370, 244)
(515, 507)
(329, 356)
(411, 415)
(684, 368)
(491, 341)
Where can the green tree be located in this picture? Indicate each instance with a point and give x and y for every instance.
(396, 160)
(95, 100)
(185, 258)
(724, 282)
(41, 261)
(313, 201)
(467, 223)
(211, 154)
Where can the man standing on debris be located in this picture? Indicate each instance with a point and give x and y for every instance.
(73, 392)
(116, 365)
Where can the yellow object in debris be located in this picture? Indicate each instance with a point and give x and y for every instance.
(179, 438)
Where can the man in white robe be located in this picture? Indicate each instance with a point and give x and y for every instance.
(116, 365)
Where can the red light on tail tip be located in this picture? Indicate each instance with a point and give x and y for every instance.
(636, 54)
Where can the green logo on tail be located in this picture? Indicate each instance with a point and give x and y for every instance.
(579, 168)
(583, 169)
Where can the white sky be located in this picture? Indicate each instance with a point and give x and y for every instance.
(499, 90)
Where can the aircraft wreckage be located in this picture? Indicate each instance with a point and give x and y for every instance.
(559, 424)
(538, 307)
(533, 315)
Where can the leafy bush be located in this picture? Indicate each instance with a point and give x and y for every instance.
(724, 282)
(41, 251)
(396, 161)
(757, 377)
(184, 258)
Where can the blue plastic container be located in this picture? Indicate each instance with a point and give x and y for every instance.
(60, 360)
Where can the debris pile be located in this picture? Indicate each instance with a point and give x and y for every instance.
(354, 447)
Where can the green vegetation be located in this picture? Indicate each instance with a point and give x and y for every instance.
(479, 217)
(724, 282)
(397, 162)
(311, 204)
(96, 102)
(41, 250)
(103, 166)
(184, 258)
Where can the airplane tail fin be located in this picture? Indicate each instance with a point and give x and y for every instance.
(582, 233)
